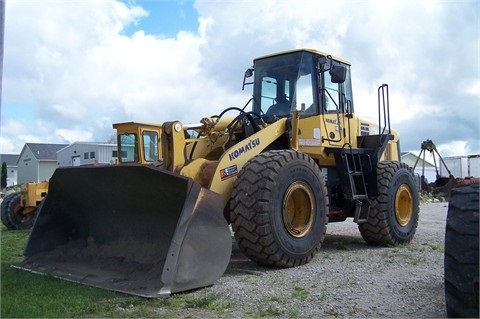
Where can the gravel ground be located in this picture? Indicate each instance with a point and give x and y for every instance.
(346, 278)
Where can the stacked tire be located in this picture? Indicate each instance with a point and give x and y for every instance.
(461, 252)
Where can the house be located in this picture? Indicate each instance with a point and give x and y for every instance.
(37, 162)
(12, 168)
(87, 153)
(428, 168)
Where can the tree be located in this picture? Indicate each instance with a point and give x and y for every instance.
(4, 175)
(112, 139)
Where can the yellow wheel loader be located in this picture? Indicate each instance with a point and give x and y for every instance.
(277, 172)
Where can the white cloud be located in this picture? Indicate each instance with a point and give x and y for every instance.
(473, 88)
(72, 61)
(452, 149)
(74, 135)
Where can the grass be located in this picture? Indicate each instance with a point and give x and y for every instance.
(26, 295)
(300, 293)
(281, 306)
(439, 248)
(407, 254)
(269, 311)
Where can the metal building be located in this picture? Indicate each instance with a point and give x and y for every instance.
(87, 153)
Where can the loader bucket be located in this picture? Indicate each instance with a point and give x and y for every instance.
(135, 229)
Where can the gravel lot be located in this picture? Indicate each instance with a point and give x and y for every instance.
(347, 278)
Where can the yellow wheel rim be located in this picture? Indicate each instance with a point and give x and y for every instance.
(298, 209)
(403, 205)
(25, 214)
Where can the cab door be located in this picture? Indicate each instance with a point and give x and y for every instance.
(334, 118)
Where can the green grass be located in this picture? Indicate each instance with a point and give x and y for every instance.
(27, 295)
(405, 253)
(438, 248)
(300, 293)
(267, 312)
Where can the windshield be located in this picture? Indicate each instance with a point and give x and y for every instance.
(284, 83)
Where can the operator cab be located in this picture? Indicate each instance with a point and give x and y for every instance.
(288, 81)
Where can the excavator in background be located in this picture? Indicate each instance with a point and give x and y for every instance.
(159, 221)
(442, 186)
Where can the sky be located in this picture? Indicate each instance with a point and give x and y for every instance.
(73, 68)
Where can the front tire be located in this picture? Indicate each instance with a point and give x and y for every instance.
(278, 208)
(393, 216)
(461, 253)
(14, 216)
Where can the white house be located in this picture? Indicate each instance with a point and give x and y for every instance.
(12, 168)
(87, 153)
(37, 162)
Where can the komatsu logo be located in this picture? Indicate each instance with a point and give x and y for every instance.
(243, 149)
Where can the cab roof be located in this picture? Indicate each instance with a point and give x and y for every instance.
(317, 52)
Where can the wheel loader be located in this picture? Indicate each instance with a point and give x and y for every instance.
(19, 209)
(274, 172)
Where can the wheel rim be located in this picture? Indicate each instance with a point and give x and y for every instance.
(298, 209)
(403, 205)
(19, 213)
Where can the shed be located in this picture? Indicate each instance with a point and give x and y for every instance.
(87, 153)
(461, 166)
(12, 168)
(37, 162)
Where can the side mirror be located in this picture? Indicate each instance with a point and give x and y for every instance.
(338, 73)
(248, 74)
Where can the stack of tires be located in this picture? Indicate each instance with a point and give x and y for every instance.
(461, 252)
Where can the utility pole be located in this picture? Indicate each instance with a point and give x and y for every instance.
(2, 41)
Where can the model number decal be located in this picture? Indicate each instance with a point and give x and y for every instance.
(309, 142)
(228, 172)
(364, 129)
(243, 149)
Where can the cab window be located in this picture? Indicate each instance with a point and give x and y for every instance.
(275, 96)
(304, 94)
(150, 146)
(331, 94)
(127, 144)
(347, 90)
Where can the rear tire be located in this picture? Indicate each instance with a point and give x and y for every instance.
(393, 216)
(461, 252)
(12, 214)
(278, 208)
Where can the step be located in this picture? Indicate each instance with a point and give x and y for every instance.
(359, 196)
(358, 209)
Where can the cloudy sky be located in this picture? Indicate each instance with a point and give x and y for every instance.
(72, 68)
